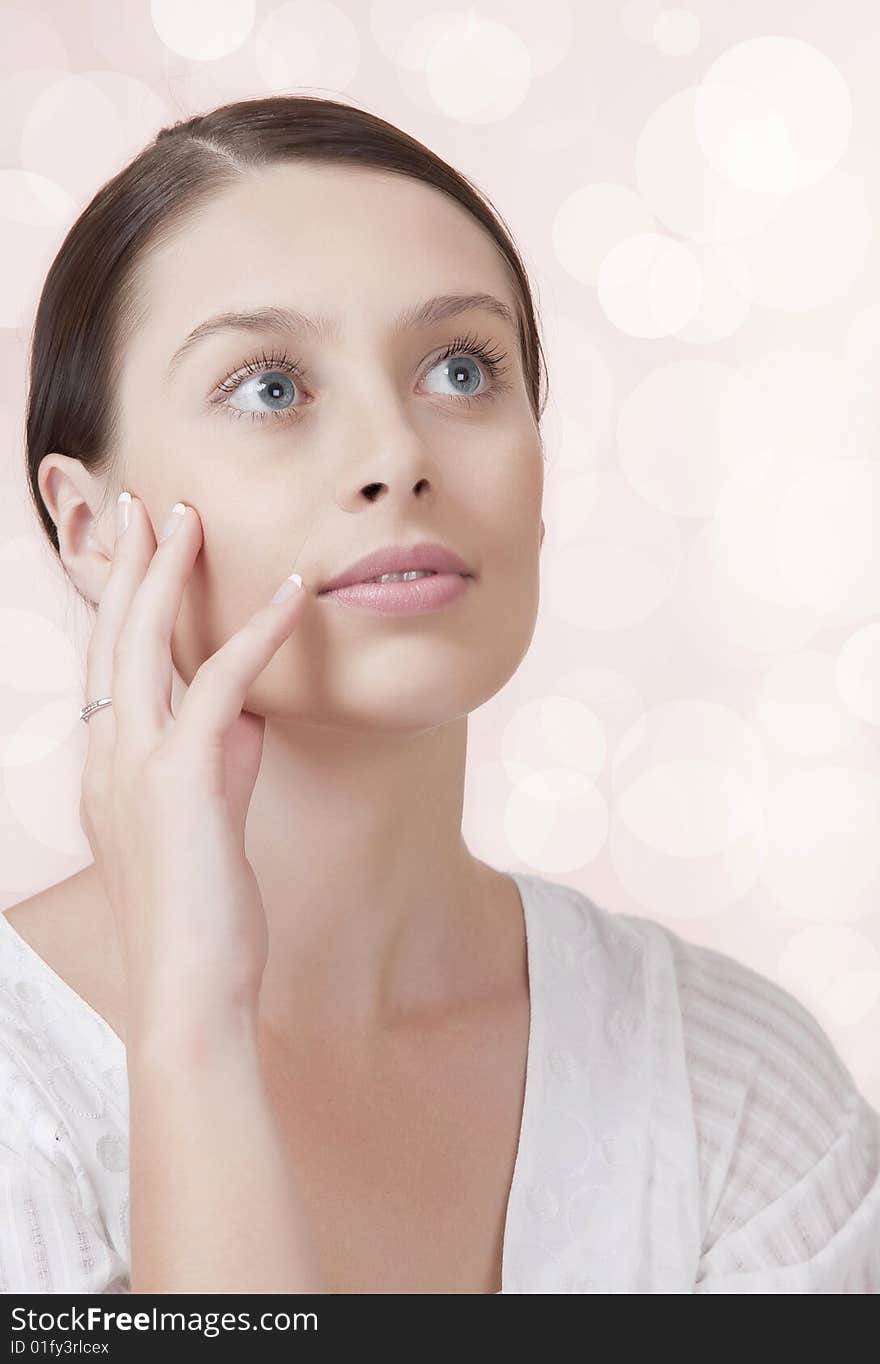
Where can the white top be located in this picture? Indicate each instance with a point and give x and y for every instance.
(687, 1127)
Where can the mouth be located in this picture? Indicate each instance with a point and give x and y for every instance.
(393, 579)
(397, 563)
(410, 595)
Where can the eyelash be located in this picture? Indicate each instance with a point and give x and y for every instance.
(462, 345)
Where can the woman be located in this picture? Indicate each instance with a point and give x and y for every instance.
(358, 1059)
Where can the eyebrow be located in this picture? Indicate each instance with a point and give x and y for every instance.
(291, 322)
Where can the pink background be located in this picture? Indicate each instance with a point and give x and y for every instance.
(694, 733)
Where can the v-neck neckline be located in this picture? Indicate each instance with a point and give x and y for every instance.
(522, 882)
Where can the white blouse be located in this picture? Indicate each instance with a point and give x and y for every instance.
(687, 1127)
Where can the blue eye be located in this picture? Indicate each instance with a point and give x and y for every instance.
(275, 374)
(456, 371)
(271, 387)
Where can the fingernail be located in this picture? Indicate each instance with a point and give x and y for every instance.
(175, 516)
(123, 512)
(288, 587)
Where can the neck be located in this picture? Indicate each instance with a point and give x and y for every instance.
(368, 887)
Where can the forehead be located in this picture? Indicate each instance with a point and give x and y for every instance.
(358, 243)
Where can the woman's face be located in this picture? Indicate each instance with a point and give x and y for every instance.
(361, 439)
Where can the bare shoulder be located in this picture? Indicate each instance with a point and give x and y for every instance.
(69, 924)
(53, 916)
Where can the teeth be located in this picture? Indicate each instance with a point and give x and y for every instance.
(402, 577)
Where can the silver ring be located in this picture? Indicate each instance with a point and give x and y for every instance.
(89, 709)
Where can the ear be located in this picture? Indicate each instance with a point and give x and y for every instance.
(73, 499)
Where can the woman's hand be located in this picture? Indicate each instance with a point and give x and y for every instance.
(165, 798)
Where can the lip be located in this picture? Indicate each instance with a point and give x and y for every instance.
(412, 598)
(399, 559)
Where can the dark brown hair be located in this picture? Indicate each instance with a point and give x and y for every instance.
(90, 300)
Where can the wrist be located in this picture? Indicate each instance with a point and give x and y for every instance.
(186, 1031)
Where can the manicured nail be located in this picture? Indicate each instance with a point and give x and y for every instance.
(175, 517)
(288, 587)
(123, 512)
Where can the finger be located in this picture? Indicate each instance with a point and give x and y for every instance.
(216, 694)
(142, 664)
(131, 554)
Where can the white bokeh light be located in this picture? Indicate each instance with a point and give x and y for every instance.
(406, 33)
(610, 695)
(725, 294)
(556, 820)
(45, 729)
(816, 247)
(688, 807)
(593, 219)
(682, 189)
(307, 43)
(689, 792)
(203, 30)
(19, 91)
(478, 71)
(81, 128)
(783, 119)
(553, 731)
(731, 589)
(687, 837)
(649, 285)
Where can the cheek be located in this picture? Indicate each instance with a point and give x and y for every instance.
(219, 597)
(510, 493)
